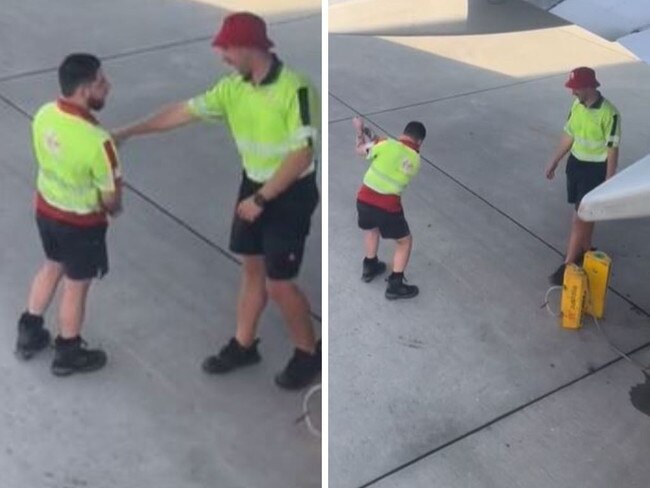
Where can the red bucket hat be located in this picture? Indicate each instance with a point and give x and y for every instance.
(582, 77)
(243, 29)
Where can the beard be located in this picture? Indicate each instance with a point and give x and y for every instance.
(96, 104)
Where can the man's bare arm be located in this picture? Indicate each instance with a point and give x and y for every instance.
(565, 146)
(363, 136)
(167, 118)
(612, 161)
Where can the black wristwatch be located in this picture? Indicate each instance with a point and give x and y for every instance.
(259, 200)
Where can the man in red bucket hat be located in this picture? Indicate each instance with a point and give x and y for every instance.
(591, 136)
(273, 113)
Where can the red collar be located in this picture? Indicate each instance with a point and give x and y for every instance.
(409, 143)
(76, 110)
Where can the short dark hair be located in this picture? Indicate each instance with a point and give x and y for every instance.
(416, 130)
(77, 69)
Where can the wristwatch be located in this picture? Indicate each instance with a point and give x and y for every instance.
(259, 200)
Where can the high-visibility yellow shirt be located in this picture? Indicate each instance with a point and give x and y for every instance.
(77, 161)
(393, 165)
(594, 130)
(268, 120)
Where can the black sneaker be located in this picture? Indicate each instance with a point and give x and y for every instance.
(557, 277)
(397, 288)
(372, 268)
(32, 336)
(232, 356)
(72, 356)
(301, 370)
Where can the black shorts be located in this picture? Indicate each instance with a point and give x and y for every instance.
(80, 250)
(280, 232)
(582, 177)
(391, 225)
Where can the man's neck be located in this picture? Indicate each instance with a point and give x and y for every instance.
(77, 102)
(261, 68)
(410, 142)
(592, 99)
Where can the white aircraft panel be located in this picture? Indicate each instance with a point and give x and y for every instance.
(626, 195)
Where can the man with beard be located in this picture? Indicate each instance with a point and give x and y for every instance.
(592, 135)
(272, 112)
(78, 187)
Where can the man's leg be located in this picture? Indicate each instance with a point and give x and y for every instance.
(72, 309)
(574, 247)
(579, 243)
(305, 364)
(579, 239)
(397, 288)
(252, 299)
(241, 350)
(85, 257)
(43, 287)
(295, 310)
(32, 335)
(371, 243)
(588, 235)
(402, 254)
(71, 355)
(372, 266)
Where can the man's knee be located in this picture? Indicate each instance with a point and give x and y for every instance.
(280, 289)
(253, 267)
(53, 268)
(405, 241)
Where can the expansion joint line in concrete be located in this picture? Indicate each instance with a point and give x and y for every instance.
(533, 401)
(441, 99)
(160, 208)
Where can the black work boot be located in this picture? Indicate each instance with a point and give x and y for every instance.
(232, 356)
(397, 287)
(557, 277)
(372, 268)
(301, 370)
(32, 336)
(72, 356)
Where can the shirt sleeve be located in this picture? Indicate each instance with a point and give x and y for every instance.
(303, 118)
(613, 129)
(106, 170)
(210, 105)
(568, 128)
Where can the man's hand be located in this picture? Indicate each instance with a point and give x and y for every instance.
(248, 210)
(550, 170)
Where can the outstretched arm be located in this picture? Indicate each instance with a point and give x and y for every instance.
(167, 118)
(363, 136)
